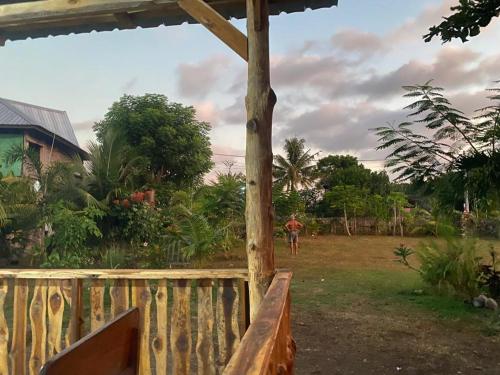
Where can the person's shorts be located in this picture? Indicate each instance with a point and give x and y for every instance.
(293, 236)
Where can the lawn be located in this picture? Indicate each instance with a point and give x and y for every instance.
(358, 311)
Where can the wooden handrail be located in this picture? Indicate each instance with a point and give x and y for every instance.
(268, 347)
(130, 274)
(111, 350)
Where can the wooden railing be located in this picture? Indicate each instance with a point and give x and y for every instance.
(268, 346)
(65, 305)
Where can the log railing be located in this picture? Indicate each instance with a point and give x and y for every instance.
(190, 320)
(268, 347)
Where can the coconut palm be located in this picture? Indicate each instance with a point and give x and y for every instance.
(296, 170)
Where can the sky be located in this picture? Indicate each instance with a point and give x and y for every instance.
(337, 73)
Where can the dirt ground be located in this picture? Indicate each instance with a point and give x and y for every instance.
(354, 312)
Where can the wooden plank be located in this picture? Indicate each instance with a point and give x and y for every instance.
(55, 317)
(76, 318)
(119, 297)
(228, 333)
(204, 342)
(192, 274)
(244, 306)
(38, 319)
(111, 350)
(160, 339)
(260, 102)
(66, 291)
(180, 336)
(4, 330)
(18, 345)
(217, 25)
(141, 298)
(254, 354)
(97, 315)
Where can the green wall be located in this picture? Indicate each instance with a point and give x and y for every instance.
(7, 140)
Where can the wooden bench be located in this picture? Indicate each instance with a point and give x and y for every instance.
(110, 350)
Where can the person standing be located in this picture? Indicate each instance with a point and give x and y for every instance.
(293, 227)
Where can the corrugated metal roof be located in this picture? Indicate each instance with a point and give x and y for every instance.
(13, 113)
(128, 15)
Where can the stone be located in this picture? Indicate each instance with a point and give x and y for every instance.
(479, 301)
(491, 304)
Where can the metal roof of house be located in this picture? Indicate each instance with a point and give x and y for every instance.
(22, 115)
(22, 19)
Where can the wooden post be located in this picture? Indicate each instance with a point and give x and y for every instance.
(260, 103)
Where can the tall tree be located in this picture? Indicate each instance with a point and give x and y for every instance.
(168, 135)
(466, 21)
(452, 143)
(296, 169)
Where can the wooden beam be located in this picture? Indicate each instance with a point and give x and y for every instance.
(260, 103)
(218, 25)
(125, 20)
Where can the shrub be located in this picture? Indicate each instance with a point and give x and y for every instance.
(453, 268)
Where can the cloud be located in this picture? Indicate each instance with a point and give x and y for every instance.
(360, 42)
(130, 85)
(83, 125)
(208, 112)
(197, 80)
(339, 128)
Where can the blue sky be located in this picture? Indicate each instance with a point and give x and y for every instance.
(337, 72)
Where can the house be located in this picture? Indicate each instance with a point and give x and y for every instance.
(47, 131)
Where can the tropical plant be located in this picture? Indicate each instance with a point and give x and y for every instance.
(296, 169)
(397, 201)
(454, 267)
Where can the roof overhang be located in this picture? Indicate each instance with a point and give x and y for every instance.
(34, 19)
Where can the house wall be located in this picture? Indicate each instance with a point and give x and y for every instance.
(45, 151)
(7, 140)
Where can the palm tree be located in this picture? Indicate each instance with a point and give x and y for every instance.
(297, 168)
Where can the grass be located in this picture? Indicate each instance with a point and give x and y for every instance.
(340, 273)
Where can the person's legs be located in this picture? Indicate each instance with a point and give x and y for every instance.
(290, 242)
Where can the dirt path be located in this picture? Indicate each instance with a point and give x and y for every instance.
(360, 343)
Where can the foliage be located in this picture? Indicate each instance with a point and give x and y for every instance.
(296, 169)
(490, 275)
(142, 224)
(286, 204)
(459, 157)
(72, 230)
(454, 267)
(466, 21)
(167, 135)
(403, 253)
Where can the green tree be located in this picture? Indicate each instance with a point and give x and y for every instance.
(466, 21)
(335, 170)
(167, 135)
(452, 143)
(397, 201)
(347, 198)
(296, 169)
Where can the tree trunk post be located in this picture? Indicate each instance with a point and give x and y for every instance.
(260, 103)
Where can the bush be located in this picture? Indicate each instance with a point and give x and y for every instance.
(453, 268)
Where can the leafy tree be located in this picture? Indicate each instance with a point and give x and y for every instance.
(167, 135)
(287, 203)
(296, 169)
(335, 170)
(466, 21)
(397, 201)
(348, 198)
(466, 148)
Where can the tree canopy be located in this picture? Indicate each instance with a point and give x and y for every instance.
(167, 135)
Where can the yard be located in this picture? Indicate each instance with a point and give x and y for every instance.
(356, 311)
